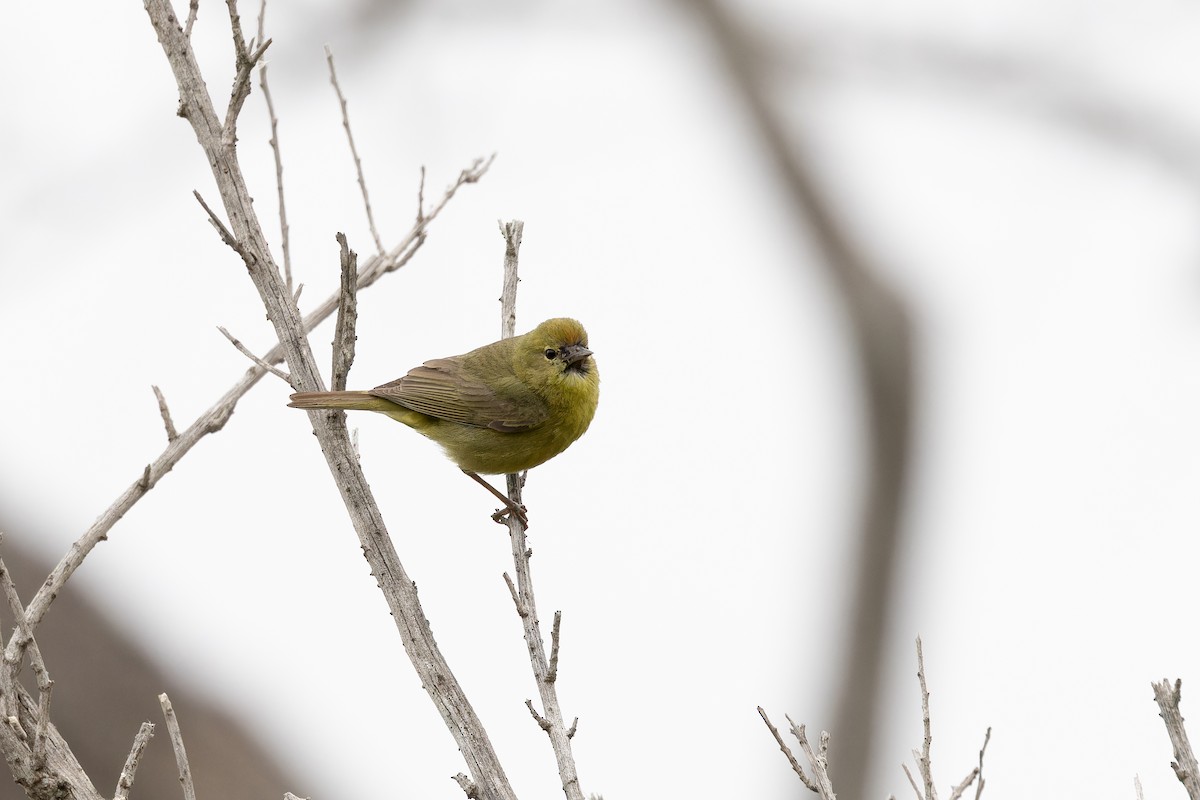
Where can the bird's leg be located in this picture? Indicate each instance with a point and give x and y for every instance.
(509, 506)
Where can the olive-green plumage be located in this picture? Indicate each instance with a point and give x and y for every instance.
(505, 407)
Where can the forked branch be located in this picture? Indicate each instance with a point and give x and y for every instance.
(398, 588)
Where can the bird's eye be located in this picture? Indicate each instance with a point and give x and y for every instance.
(551, 353)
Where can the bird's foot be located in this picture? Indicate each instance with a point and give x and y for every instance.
(519, 509)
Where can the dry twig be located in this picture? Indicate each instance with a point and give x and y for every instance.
(241, 348)
(125, 782)
(284, 238)
(362, 181)
(922, 756)
(347, 316)
(987, 737)
(923, 764)
(165, 413)
(1186, 769)
(176, 736)
(787, 751)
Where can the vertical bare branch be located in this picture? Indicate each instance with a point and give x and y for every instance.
(181, 759)
(284, 238)
(555, 632)
(347, 316)
(1186, 769)
(923, 761)
(512, 232)
(362, 182)
(882, 339)
(552, 721)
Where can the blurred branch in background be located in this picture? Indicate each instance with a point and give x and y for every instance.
(882, 337)
(1026, 82)
(105, 687)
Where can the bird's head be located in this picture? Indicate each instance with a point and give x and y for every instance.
(556, 358)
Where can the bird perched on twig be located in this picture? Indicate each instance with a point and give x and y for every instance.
(504, 407)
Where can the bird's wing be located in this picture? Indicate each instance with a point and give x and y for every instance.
(442, 388)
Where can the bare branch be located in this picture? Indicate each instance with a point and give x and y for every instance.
(398, 256)
(1186, 769)
(376, 543)
(819, 762)
(49, 776)
(362, 182)
(193, 11)
(521, 610)
(912, 782)
(176, 736)
(278, 373)
(245, 61)
(421, 196)
(165, 412)
(125, 781)
(787, 751)
(226, 237)
(285, 243)
(957, 791)
(552, 675)
(45, 687)
(23, 637)
(347, 316)
(512, 232)
(923, 764)
(987, 737)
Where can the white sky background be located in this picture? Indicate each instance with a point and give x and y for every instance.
(696, 538)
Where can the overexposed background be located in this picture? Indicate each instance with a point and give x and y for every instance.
(1024, 173)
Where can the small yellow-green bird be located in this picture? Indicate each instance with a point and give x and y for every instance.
(504, 407)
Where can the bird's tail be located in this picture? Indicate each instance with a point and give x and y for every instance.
(363, 401)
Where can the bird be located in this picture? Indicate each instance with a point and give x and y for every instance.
(502, 408)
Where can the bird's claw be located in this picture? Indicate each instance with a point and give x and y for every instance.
(501, 515)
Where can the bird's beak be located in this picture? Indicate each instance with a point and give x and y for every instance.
(574, 353)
